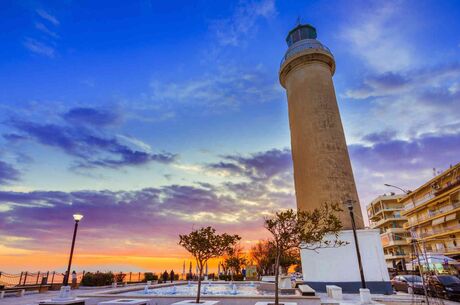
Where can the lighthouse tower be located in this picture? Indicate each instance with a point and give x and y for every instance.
(322, 168)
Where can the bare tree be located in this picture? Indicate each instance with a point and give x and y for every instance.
(309, 230)
(205, 244)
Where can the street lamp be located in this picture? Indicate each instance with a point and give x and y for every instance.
(77, 218)
(399, 188)
(349, 205)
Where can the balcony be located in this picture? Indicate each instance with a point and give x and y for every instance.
(395, 230)
(449, 250)
(395, 256)
(418, 202)
(390, 243)
(431, 215)
(377, 224)
(448, 187)
(444, 209)
(444, 230)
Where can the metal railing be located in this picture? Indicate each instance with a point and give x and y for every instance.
(55, 278)
(440, 230)
(302, 46)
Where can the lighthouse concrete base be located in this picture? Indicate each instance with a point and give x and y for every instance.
(339, 266)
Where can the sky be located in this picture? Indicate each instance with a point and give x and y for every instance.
(153, 118)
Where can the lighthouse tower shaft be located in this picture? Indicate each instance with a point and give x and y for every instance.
(322, 168)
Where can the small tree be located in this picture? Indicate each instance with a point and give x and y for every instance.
(234, 261)
(264, 253)
(205, 244)
(303, 230)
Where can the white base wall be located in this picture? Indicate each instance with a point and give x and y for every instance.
(340, 265)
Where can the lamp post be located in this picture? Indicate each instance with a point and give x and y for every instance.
(349, 204)
(399, 188)
(77, 218)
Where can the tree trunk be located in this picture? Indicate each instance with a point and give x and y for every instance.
(198, 293)
(277, 268)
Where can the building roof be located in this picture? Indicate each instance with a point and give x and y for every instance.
(432, 180)
(383, 198)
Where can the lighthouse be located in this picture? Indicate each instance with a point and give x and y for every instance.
(322, 168)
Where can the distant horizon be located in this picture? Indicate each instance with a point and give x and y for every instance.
(156, 118)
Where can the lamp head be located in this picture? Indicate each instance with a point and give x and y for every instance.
(349, 204)
(77, 217)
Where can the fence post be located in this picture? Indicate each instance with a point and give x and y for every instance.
(47, 276)
(139, 277)
(52, 278)
(38, 276)
(82, 276)
(25, 278)
(20, 279)
(130, 273)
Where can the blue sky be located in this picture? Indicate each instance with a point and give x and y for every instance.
(181, 99)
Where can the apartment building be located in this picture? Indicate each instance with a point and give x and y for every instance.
(385, 214)
(433, 213)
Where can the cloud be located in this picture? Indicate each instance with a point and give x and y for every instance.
(8, 173)
(92, 116)
(376, 36)
(230, 31)
(259, 166)
(257, 184)
(418, 101)
(419, 80)
(228, 87)
(133, 215)
(37, 45)
(92, 149)
(48, 17)
(407, 163)
(40, 26)
(39, 48)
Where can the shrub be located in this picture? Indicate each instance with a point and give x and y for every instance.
(150, 276)
(236, 277)
(97, 279)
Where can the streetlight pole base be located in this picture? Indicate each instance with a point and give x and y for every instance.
(365, 296)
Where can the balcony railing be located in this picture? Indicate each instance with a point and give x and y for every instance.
(418, 202)
(395, 256)
(444, 209)
(449, 186)
(440, 230)
(446, 250)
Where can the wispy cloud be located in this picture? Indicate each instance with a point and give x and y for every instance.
(40, 26)
(39, 47)
(225, 88)
(48, 17)
(230, 31)
(91, 147)
(417, 101)
(376, 36)
(8, 173)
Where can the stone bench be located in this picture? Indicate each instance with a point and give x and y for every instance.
(307, 290)
(19, 292)
(334, 292)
